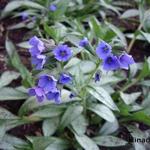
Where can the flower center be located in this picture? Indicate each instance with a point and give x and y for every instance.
(109, 60)
(105, 48)
(63, 53)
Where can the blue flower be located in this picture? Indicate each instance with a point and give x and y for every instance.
(84, 42)
(54, 95)
(72, 95)
(38, 92)
(125, 60)
(97, 77)
(111, 63)
(52, 7)
(24, 15)
(37, 46)
(64, 78)
(103, 50)
(38, 61)
(47, 83)
(62, 53)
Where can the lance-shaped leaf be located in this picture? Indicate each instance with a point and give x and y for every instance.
(103, 96)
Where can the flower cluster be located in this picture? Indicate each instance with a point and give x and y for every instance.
(47, 87)
(111, 61)
(47, 84)
(37, 47)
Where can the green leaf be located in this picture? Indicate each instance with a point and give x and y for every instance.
(145, 70)
(86, 142)
(24, 44)
(145, 83)
(72, 62)
(130, 13)
(129, 98)
(16, 63)
(59, 144)
(85, 66)
(50, 126)
(103, 111)
(100, 94)
(52, 32)
(146, 36)
(9, 142)
(61, 9)
(118, 33)
(17, 26)
(109, 141)
(48, 143)
(109, 127)
(7, 77)
(11, 6)
(40, 142)
(72, 112)
(139, 116)
(2, 129)
(79, 125)
(109, 6)
(135, 132)
(96, 27)
(5, 114)
(51, 111)
(11, 94)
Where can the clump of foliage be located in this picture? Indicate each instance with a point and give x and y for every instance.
(82, 81)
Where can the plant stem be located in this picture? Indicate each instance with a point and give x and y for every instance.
(133, 40)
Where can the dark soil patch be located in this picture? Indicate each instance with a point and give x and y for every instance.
(22, 131)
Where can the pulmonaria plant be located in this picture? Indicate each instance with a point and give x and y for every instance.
(50, 86)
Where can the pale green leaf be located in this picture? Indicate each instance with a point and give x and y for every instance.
(109, 141)
(103, 111)
(86, 142)
(7, 77)
(103, 96)
(130, 98)
(11, 94)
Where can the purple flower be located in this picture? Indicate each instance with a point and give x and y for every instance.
(34, 18)
(37, 46)
(97, 77)
(24, 15)
(125, 60)
(103, 50)
(72, 95)
(62, 53)
(110, 63)
(64, 78)
(84, 42)
(47, 83)
(38, 92)
(38, 61)
(52, 7)
(54, 95)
